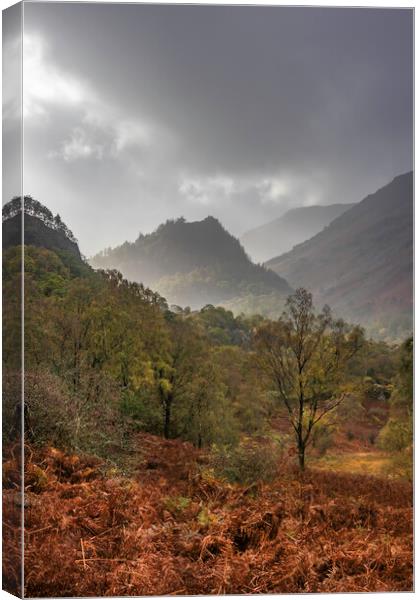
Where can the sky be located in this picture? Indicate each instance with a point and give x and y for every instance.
(134, 114)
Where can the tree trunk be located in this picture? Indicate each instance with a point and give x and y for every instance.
(167, 420)
(301, 454)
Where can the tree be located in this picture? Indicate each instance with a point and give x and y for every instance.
(397, 435)
(305, 356)
(205, 414)
(175, 371)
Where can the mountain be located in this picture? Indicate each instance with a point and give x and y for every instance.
(294, 227)
(362, 263)
(193, 264)
(42, 228)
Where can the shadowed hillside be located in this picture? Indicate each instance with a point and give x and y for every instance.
(192, 264)
(41, 229)
(294, 227)
(362, 263)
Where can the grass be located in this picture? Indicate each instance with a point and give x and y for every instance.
(367, 463)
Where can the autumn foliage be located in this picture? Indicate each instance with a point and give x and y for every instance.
(215, 505)
(173, 528)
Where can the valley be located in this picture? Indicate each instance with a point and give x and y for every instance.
(202, 444)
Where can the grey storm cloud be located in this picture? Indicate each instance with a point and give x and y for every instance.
(139, 113)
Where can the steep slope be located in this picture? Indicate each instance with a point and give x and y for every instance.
(192, 264)
(362, 263)
(41, 228)
(294, 227)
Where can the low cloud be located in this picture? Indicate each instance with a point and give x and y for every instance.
(237, 112)
(45, 85)
(78, 146)
(101, 131)
(207, 190)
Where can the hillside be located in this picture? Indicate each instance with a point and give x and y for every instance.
(362, 263)
(175, 529)
(42, 229)
(294, 227)
(192, 264)
(161, 458)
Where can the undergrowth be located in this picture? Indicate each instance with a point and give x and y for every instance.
(175, 528)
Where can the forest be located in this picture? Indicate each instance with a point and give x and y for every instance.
(179, 451)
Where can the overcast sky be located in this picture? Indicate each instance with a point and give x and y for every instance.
(134, 114)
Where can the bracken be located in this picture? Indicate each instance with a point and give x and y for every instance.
(89, 535)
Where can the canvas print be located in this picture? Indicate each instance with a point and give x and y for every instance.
(207, 299)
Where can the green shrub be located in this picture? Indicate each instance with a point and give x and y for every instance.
(176, 504)
(396, 435)
(250, 461)
(143, 410)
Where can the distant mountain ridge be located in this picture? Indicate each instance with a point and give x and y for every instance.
(295, 226)
(192, 263)
(362, 263)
